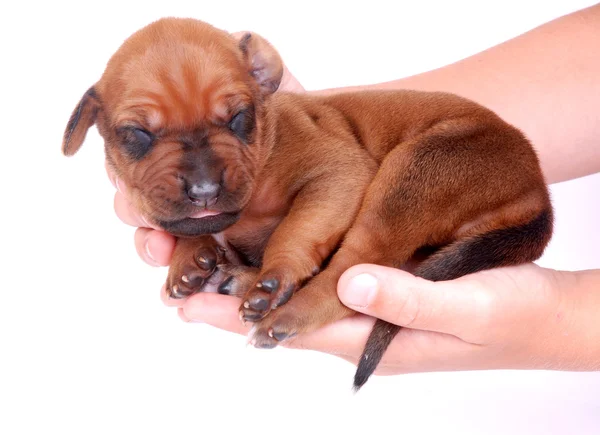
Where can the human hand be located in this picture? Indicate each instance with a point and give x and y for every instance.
(519, 317)
(524, 317)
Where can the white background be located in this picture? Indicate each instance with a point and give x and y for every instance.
(86, 346)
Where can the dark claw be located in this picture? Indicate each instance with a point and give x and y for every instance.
(251, 316)
(193, 280)
(179, 292)
(280, 336)
(226, 286)
(269, 285)
(205, 262)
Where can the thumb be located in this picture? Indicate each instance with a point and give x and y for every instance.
(398, 297)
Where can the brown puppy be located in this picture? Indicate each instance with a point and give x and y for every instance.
(273, 192)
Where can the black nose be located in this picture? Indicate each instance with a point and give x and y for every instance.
(203, 191)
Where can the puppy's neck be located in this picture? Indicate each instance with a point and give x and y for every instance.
(266, 137)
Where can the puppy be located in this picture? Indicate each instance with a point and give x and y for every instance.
(273, 192)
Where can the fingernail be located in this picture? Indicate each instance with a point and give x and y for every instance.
(187, 313)
(145, 221)
(147, 251)
(184, 317)
(360, 290)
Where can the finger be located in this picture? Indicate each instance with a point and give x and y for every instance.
(411, 351)
(398, 297)
(217, 310)
(127, 213)
(416, 351)
(154, 247)
(289, 83)
(111, 174)
(183, 317)
(116, 181)
(344, 338)
(172, 302)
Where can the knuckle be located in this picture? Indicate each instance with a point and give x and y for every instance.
(142, 246)
(408, 310)
(121, 207)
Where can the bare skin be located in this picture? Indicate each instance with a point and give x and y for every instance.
(475, 322)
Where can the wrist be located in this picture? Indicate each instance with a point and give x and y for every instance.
(575, 342)
(586, 318)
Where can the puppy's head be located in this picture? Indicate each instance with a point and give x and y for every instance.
(180, 107)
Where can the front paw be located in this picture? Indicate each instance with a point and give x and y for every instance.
(314, 306)
(270, 291)
(275, 329)
(190, 271)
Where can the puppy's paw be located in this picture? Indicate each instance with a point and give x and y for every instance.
(190, 271)
(233, 280)
(275, 329)
(315, 305)
(269, 292)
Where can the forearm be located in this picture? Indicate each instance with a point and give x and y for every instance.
(546, 82)
(578, 345)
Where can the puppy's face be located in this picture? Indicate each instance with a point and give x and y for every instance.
(180, 107)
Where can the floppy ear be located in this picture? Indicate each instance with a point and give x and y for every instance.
(264, 62)
(82, 118)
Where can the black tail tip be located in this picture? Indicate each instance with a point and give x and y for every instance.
(379, 339)
(360, 378)
(356, 388)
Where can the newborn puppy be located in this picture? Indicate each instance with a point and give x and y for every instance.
(270, 192)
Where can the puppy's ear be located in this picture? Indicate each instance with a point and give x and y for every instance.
(264, 62)
(82, 118)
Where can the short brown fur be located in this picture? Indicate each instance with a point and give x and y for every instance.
(307, 185)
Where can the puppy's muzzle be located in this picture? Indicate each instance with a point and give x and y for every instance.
(210, 224)
(203, 193)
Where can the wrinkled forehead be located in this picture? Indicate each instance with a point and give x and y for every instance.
(178, 84)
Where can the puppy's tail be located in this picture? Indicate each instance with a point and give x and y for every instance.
(497, 248)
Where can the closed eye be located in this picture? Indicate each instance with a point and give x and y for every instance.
(136, 141)
(242, 124)
(143, 137)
